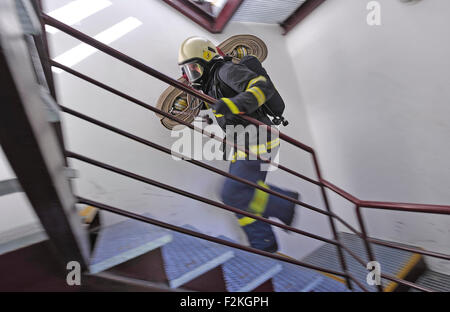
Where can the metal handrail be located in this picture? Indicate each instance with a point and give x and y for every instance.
(167, 115)
(170, 116)
(138, 65)
(169, 226)
(191, 195)
(322, 183)
(200, 164)
(418, 208)
(411, 207)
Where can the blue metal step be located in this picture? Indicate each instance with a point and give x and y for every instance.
(433, 280)
(294, 278)
(188, 257)
(392, 261)
(246, 271)
(330, 285)
(125, 240)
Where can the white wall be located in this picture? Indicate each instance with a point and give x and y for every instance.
(15, 208)
(156, 43)
(377, 101)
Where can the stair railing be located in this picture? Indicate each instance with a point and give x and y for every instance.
(322, 183)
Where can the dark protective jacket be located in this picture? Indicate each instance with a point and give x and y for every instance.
(239, 91)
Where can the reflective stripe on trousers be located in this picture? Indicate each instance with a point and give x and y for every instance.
(247, 198)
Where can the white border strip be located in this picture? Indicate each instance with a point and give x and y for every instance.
(261, 279)
(312, 285)
(183, 279)
(21, 237)
(128, 255)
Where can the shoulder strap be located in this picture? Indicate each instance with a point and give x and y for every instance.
(222, 88)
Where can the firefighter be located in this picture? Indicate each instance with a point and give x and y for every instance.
(239, 90)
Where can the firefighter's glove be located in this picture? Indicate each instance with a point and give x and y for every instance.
(225, 108)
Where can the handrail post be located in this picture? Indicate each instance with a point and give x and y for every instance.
(42, 48)
(369, 250)
(41, 44)
(332, 224)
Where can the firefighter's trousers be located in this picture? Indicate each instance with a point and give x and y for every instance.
(260, 234)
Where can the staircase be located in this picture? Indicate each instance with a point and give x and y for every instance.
(398, 263)
(145, 252)
(138, 256)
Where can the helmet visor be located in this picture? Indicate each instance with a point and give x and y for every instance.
(193, 71)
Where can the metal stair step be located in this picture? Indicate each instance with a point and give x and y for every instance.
(327, 284)
(294, 278)
(124, 241)
(326, 256)
(392, 261)
(246, 271)
(187, 257)
(433, 280)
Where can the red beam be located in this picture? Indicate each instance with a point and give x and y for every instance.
(303, 11)
(226, 14)
(341, 192)
(438, 209)
(193, 12)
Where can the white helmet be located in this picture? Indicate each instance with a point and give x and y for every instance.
(194, 54)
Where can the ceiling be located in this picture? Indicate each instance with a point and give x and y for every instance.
(266, 11)
(213, 15)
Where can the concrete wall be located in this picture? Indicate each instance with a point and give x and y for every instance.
(377, 104)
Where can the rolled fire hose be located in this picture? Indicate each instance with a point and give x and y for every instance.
(187, 107)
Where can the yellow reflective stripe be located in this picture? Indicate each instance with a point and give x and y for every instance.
(241, 153)
(260, 98)
(217, 115)
(258, 149)
(261, 93)
(256, 91)
(273, 143)
(262, 148)
(260, 199)
(233, 108)
(246, 221)
(238, 154)
(255, 80)
(257, 205)
(206, 104)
